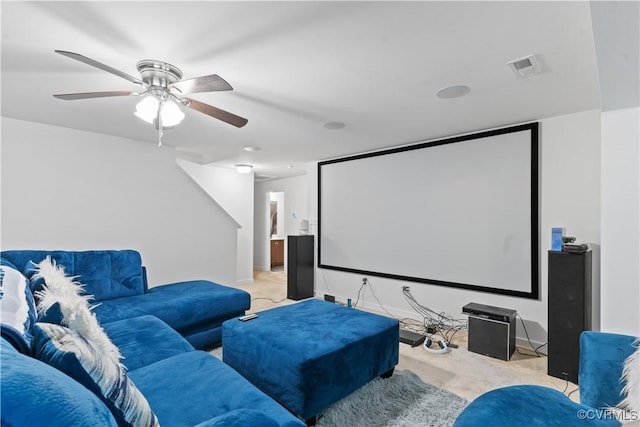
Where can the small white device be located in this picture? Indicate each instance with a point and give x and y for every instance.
(247, 317)
(439, 348)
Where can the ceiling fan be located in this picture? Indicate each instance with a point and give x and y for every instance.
(163, 90)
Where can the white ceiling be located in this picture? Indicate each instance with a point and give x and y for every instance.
(296, 66)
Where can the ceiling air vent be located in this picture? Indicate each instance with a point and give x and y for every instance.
(525, 67)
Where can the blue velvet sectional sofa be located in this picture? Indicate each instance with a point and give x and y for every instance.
(117, 281)
(46, 380)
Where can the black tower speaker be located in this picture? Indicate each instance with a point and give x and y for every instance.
(569, 311)
(300, 254)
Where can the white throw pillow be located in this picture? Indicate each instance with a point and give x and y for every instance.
(74, 306)
(631, 389)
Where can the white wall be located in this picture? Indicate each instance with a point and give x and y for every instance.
(569, 197)
(233, 192)
(295, 203)
(621, 221)
(74, 190)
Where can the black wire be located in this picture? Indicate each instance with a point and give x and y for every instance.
(359, 290)
(439, 323)
(431, 317)
(269, 299)
(432, 322)
(573, 391)
(324, 280)
(537, 354)
(435, 318)
(541, 345)
(412, 324)
(450, 339)
(535, 349)
(379, 303)
(435, 323)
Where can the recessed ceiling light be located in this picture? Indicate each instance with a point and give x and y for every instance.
(243, 168)
(334, 125)
(450, 92)
(251, 148)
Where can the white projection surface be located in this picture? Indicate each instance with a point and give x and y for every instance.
(457, 212)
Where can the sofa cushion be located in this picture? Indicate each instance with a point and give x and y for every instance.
(17, 309)
(241, 418)
(4, 261)
(208, 389)
(145, 340)
(602, 357)
(65, 297)
(105, 273)
(35, 394)
(531, 406)
(185, 306)
(77, 357)
(209, 336)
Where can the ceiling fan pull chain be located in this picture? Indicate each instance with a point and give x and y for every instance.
(160, 104)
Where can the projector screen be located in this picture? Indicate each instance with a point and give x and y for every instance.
(459, 212)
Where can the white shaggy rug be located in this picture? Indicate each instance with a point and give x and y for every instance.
(403, 400)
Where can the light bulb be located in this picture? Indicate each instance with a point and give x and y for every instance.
(147, 109)
(242, 168)
(171, 114)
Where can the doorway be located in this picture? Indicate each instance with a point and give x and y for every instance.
(276, 227)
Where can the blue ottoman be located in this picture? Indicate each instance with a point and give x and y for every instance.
(311, 354)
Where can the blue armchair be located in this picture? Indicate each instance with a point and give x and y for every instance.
(602, 357)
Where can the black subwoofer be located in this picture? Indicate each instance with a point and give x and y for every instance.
(494, 338)
(569, 311)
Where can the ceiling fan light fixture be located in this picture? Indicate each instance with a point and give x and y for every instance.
(147, 109)
(171, 114)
